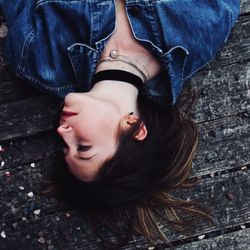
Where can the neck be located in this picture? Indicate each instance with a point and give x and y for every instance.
(120, 93)
(123, 95)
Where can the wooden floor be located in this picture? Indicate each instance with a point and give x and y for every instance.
(27, 150)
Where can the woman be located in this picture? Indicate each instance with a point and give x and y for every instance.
(120, 67)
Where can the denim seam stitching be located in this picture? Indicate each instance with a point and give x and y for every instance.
(40, 3)
(84, 45)
(142, 40)
(203, 65)
(157, 18)
(173, 48)
(43, 85)
(24, 55)
(73, 67)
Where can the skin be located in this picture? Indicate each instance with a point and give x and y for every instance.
(99, 114)
(106, 107)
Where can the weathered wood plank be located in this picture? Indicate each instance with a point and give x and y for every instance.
(14, 89)
(237, 47)
(217, 199)
(223, 92)
(18, 183)
(245, 7)
(223, 144)
(55, 231)
(239, 240)
(28, 117)
(228, 210)
(28, 150)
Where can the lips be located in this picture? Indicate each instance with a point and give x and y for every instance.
(66, 114)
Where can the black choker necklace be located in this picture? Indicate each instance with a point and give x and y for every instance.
(119, 75)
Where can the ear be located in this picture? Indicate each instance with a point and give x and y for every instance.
(128, 120)
(141, 133)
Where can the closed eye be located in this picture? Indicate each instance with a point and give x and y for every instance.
(83, 148)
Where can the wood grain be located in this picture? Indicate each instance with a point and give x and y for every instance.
(29, 149)
(212, 192)
(237, 240)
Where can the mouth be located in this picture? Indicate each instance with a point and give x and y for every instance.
(66, 114)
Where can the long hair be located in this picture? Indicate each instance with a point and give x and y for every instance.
(133, 190)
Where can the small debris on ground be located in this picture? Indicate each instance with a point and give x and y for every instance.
(201, 237)
(41, 240)
(57, 218)
(3, 235)
(32, 164)
(24, 219)
(30, 194)
(67, 215)
(14, 225)
(2, 150)
(212, 174)
(7, 174)
(37, 212)
(230, 195)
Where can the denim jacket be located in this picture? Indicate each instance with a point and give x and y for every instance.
(55, 44)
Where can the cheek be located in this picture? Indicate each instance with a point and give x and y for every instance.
(88, 129)
(95, 123)
(96, 120)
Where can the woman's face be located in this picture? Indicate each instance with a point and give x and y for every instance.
(90, 133)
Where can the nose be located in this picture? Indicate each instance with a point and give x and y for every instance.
(65, 150)
(63, 129)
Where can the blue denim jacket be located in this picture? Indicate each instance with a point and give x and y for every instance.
(55, 44)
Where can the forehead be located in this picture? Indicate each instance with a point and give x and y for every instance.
(85, 170)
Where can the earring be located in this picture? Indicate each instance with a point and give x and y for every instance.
(131, 119)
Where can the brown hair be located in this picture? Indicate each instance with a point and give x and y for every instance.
(135, 187)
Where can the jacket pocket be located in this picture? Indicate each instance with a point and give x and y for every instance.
(83, 59)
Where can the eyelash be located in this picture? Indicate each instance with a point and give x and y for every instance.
(83, 148)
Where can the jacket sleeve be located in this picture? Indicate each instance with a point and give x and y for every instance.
(194, 31)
